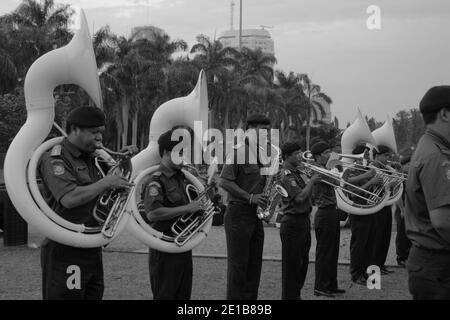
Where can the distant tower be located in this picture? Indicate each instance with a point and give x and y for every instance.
(231, 15)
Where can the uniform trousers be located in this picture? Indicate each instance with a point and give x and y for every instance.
(170, 275)
(327, 229)
(428, 274)
(383, 229)
(245, 240)
(295, 233)
(70, 273)
(402, 243)
(361, 244)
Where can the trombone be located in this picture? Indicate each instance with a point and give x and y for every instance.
(371, 198)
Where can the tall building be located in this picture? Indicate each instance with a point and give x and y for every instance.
(145, 32)
(251, 38)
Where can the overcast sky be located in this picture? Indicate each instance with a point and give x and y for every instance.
(380, 71)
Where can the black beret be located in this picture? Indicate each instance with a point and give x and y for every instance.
(87, 117)
(319, 147)
(165, 141)
(360, 149)
(289, 147)
(435, 99)
(381, 150)
(258, 119)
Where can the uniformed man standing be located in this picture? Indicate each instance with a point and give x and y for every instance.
(427, 214)
(295, 229)
(362, 226)
(165, 200)
(243, 229)
(71, 185)
(327, 228)
(383, 218)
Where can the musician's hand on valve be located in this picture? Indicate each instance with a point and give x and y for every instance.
(112, 181)
(193, 206)
(376, 180)
(259, 199)
(371, 173)
(315, 178)
(132, 149)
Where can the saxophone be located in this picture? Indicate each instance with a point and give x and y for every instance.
(273, 191)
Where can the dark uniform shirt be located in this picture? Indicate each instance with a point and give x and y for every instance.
(323, 194)
(62, 169)
(292, 181)
(427, 188)
(165, 188)
(247, 176)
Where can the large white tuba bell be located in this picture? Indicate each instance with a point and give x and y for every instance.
(182, 111)
(72, 64)
(385, 135)
(357, 133)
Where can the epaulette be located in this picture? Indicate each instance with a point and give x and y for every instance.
(56, 151)
(156, 174)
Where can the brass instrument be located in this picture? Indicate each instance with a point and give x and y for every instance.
(187, 225)
(272, 190)
(111, 205)
(309, 169)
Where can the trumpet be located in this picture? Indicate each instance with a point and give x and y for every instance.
(111, 205)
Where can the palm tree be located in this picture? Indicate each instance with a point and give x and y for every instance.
(217, 62)
(8, 71)
(294, 104)
(314, 101)
(257, 67)
(36, 28)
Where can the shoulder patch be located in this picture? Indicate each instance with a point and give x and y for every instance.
(58, 167)
(153, 188)
(56, 151)
(293, 183)
(286, 171)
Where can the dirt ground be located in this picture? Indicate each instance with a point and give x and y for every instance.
(126, 271)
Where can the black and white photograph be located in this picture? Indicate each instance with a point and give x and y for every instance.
(224, 154)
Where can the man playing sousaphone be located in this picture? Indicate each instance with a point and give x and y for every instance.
(362, 226)
(71, 184)
(165, 200)
(383, 218)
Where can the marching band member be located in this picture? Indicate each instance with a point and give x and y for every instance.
(383, 218)
(243, 229)
(165, 200)
(71, 185)
(362, 226)
(427, 214)
(295, 230)
(327, 228)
